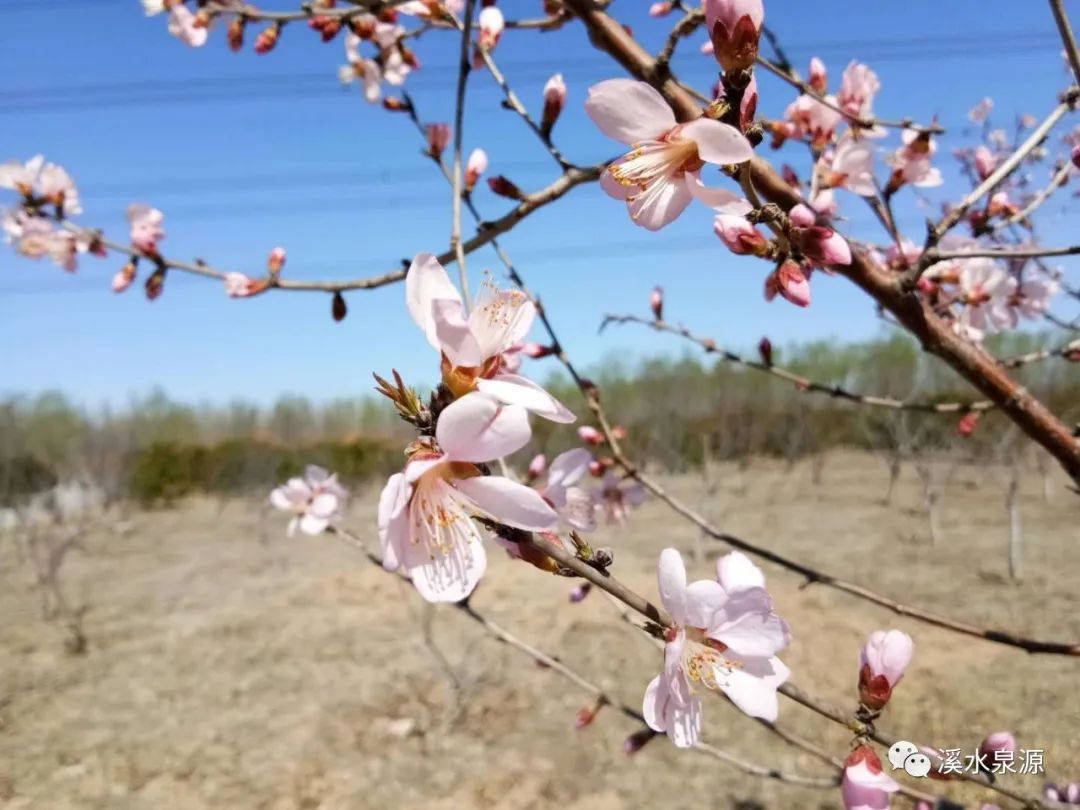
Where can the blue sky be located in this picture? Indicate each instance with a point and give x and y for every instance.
(245, 152)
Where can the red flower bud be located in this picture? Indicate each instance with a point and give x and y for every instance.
(505, 188)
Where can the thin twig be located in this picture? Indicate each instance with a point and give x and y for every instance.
(464, 67)
(1067, 38)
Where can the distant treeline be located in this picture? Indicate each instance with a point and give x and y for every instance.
(676, 411)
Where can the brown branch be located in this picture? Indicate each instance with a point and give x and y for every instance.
(934, 255)
(1067, 38)
(800, 382)
(935, 335)
(358, 8)
(1069, 349)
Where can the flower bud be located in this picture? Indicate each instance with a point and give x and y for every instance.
(790, 282)
(491, 24)
(125, 276)
(363, 26)
(596, 469)
(338, 310)
(155, 285)
(985, 162)
(238, 285)
(235, 34)
(554, 101)
(580, 592)
(275, 261)
(586, 715)
(618, 433)
(740, 236)
(734, 28)
(765, 350)
(438, 136)
(395, 104)
(1076, 156)
(537, 351)
(967, 424)
(590, 435)
(998, 741)
(865, 784)
(536, 466)
(330, 29)
(882, 662)
(476, 166)
(267, 38)
(819, 78)
(656, 302)
(505, 188)
(661, 9)
(638, 740)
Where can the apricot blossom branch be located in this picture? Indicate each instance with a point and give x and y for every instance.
(602, 696)
(800, 382)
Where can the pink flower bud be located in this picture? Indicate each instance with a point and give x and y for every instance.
(238, 285)
(734, 27)
(586, 715)
(537, 466)
(790, 282)
(985, 162)
(865, 784)
(491, 23)
(438, 137)
(267, 39)
(124, 277)
(1072, 793)
(554, 101)
(1052, 793)
(476, 166)
(590, 435)
(276, 261)
(537, 351)
(596, 469)
(236, 34)
(818, 243)
(819, 78)
(967, 424)
(741, 237)
(882, 662)
(618, 433)
(155, 284)
(1076, 156)
(580, 592)
(660, 9)
(656, 302)
(998, 741)
(638, 740)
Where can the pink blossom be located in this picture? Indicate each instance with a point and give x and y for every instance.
(365, 71)
(911, 162)
(882, 662)
(985, 161)
(724, 637)
(238, 285)
(590, 435)
(1002, 741)
(740, 236)
(64, 249)
(819, 77)
(476, 166)
(661, 175)
(904, 256)
(146, 227)
(858, 86)
(124, 277)
(824, 202)
(865, 785)
(1001, 206)
(554, 101)
(426, 8)
(574, 505)
(1032, 297)
(314, 500)
(789, 281)
(275, 262)
(22, 177)
(813, 120)
(616, 495)
(56, 186)
(818, 243)
(426, 513)
(660, 9)
(31, 236)
(184, 26)
(472, 346)
(734, 27)
(981, 111)
(986, 291)
(851, 166)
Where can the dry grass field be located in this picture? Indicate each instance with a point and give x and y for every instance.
(231, 668)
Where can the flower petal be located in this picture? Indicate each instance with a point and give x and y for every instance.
(736, 571)
(717, 142)
(671, 579)
(751, 684)
(478, 428)
(613, 188)
(512, 389)
(394, 520)
(652, 706)
(451, 576)
(455, 337)
(509, 502)
(628, 110)
(703, 599)
(312, 524)
(570, 467)
(425, 282)
(724, 201)
(659, 204)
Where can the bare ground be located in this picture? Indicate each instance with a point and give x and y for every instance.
(232, 668)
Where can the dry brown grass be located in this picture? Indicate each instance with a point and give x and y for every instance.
(225, 672)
